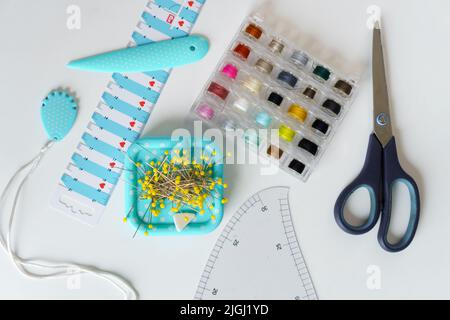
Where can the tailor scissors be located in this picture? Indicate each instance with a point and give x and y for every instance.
(381, 168)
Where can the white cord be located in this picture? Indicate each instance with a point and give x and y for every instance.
(59, 269)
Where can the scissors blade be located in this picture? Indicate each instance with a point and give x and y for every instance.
(381, 115)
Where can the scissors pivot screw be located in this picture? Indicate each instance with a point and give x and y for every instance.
(382, 119)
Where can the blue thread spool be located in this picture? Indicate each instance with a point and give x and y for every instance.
(264, 119)
(288, 78)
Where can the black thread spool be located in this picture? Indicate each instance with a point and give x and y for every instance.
(310, 92)
(343, 87)
(309, 146)
(297, 166)
(275, 98)
(322, 72)
(332, 106)
(288, 78)
(320, 125)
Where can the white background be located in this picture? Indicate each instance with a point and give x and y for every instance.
(35, 47)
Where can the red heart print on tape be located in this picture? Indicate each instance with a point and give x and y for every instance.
(122, 144)
(151, 83)
(190, 3)
(132, 123)
(112, 164)
(102, 185)
(142, 103)
(181, 23)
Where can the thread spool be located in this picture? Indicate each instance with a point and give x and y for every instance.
(253, 31)
(276, 46)
(343, 87)
(242, 51)
(300, 58)
(263, 118)
(286, 133)
(288, 78)
(230, 71)
(320, 125)
(274, 152)
(251, 137)
(309, 146)
(332, 106)
(275, 98)
(252, 84)
(322, 72)
(218, 90)
(263, 66)
(242, 104)
(297, 166)
(205, 111)
(229, 125)
(297, 112)
(310, 92)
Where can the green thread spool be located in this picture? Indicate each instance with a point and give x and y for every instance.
(322, 72)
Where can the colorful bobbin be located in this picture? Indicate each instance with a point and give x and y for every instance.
(275, 98)
(253, 31)
(276, 46)
(263, 118)
(297, 112)
(242, 104)
(309, 146)
(288, 78)
(332, 106)
(205, 111)
(310, 92)
(297, 166)
(275, 152)
(252, 84)
(322, 73)
(320, 125)
(218, 90)
(242, 51)
(263, 66)
(230, 71)
(343, 87)
(286, 133)
(300, 58)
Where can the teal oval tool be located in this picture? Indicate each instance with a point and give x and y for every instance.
(148, 57)
(58, 114)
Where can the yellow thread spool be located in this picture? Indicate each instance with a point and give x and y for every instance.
(297, 112)
(286, 133)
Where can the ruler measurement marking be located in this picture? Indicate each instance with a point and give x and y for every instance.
(289, 232)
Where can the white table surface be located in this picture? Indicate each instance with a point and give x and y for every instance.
(35, 47)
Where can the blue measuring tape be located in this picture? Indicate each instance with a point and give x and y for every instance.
(86, 185)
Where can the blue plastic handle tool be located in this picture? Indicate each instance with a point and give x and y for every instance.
(381, 170)
(148, 57)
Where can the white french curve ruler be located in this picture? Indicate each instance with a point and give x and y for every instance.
(257, 256)
(86, 185)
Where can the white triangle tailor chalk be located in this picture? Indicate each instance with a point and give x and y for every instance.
(181, 220)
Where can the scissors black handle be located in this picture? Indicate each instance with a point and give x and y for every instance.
(380, 171)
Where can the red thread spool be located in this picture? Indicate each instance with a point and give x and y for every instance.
(242, 51)
(218, 90)
(253, 31)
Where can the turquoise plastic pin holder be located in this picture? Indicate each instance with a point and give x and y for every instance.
(58, 114)
(149, 149)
